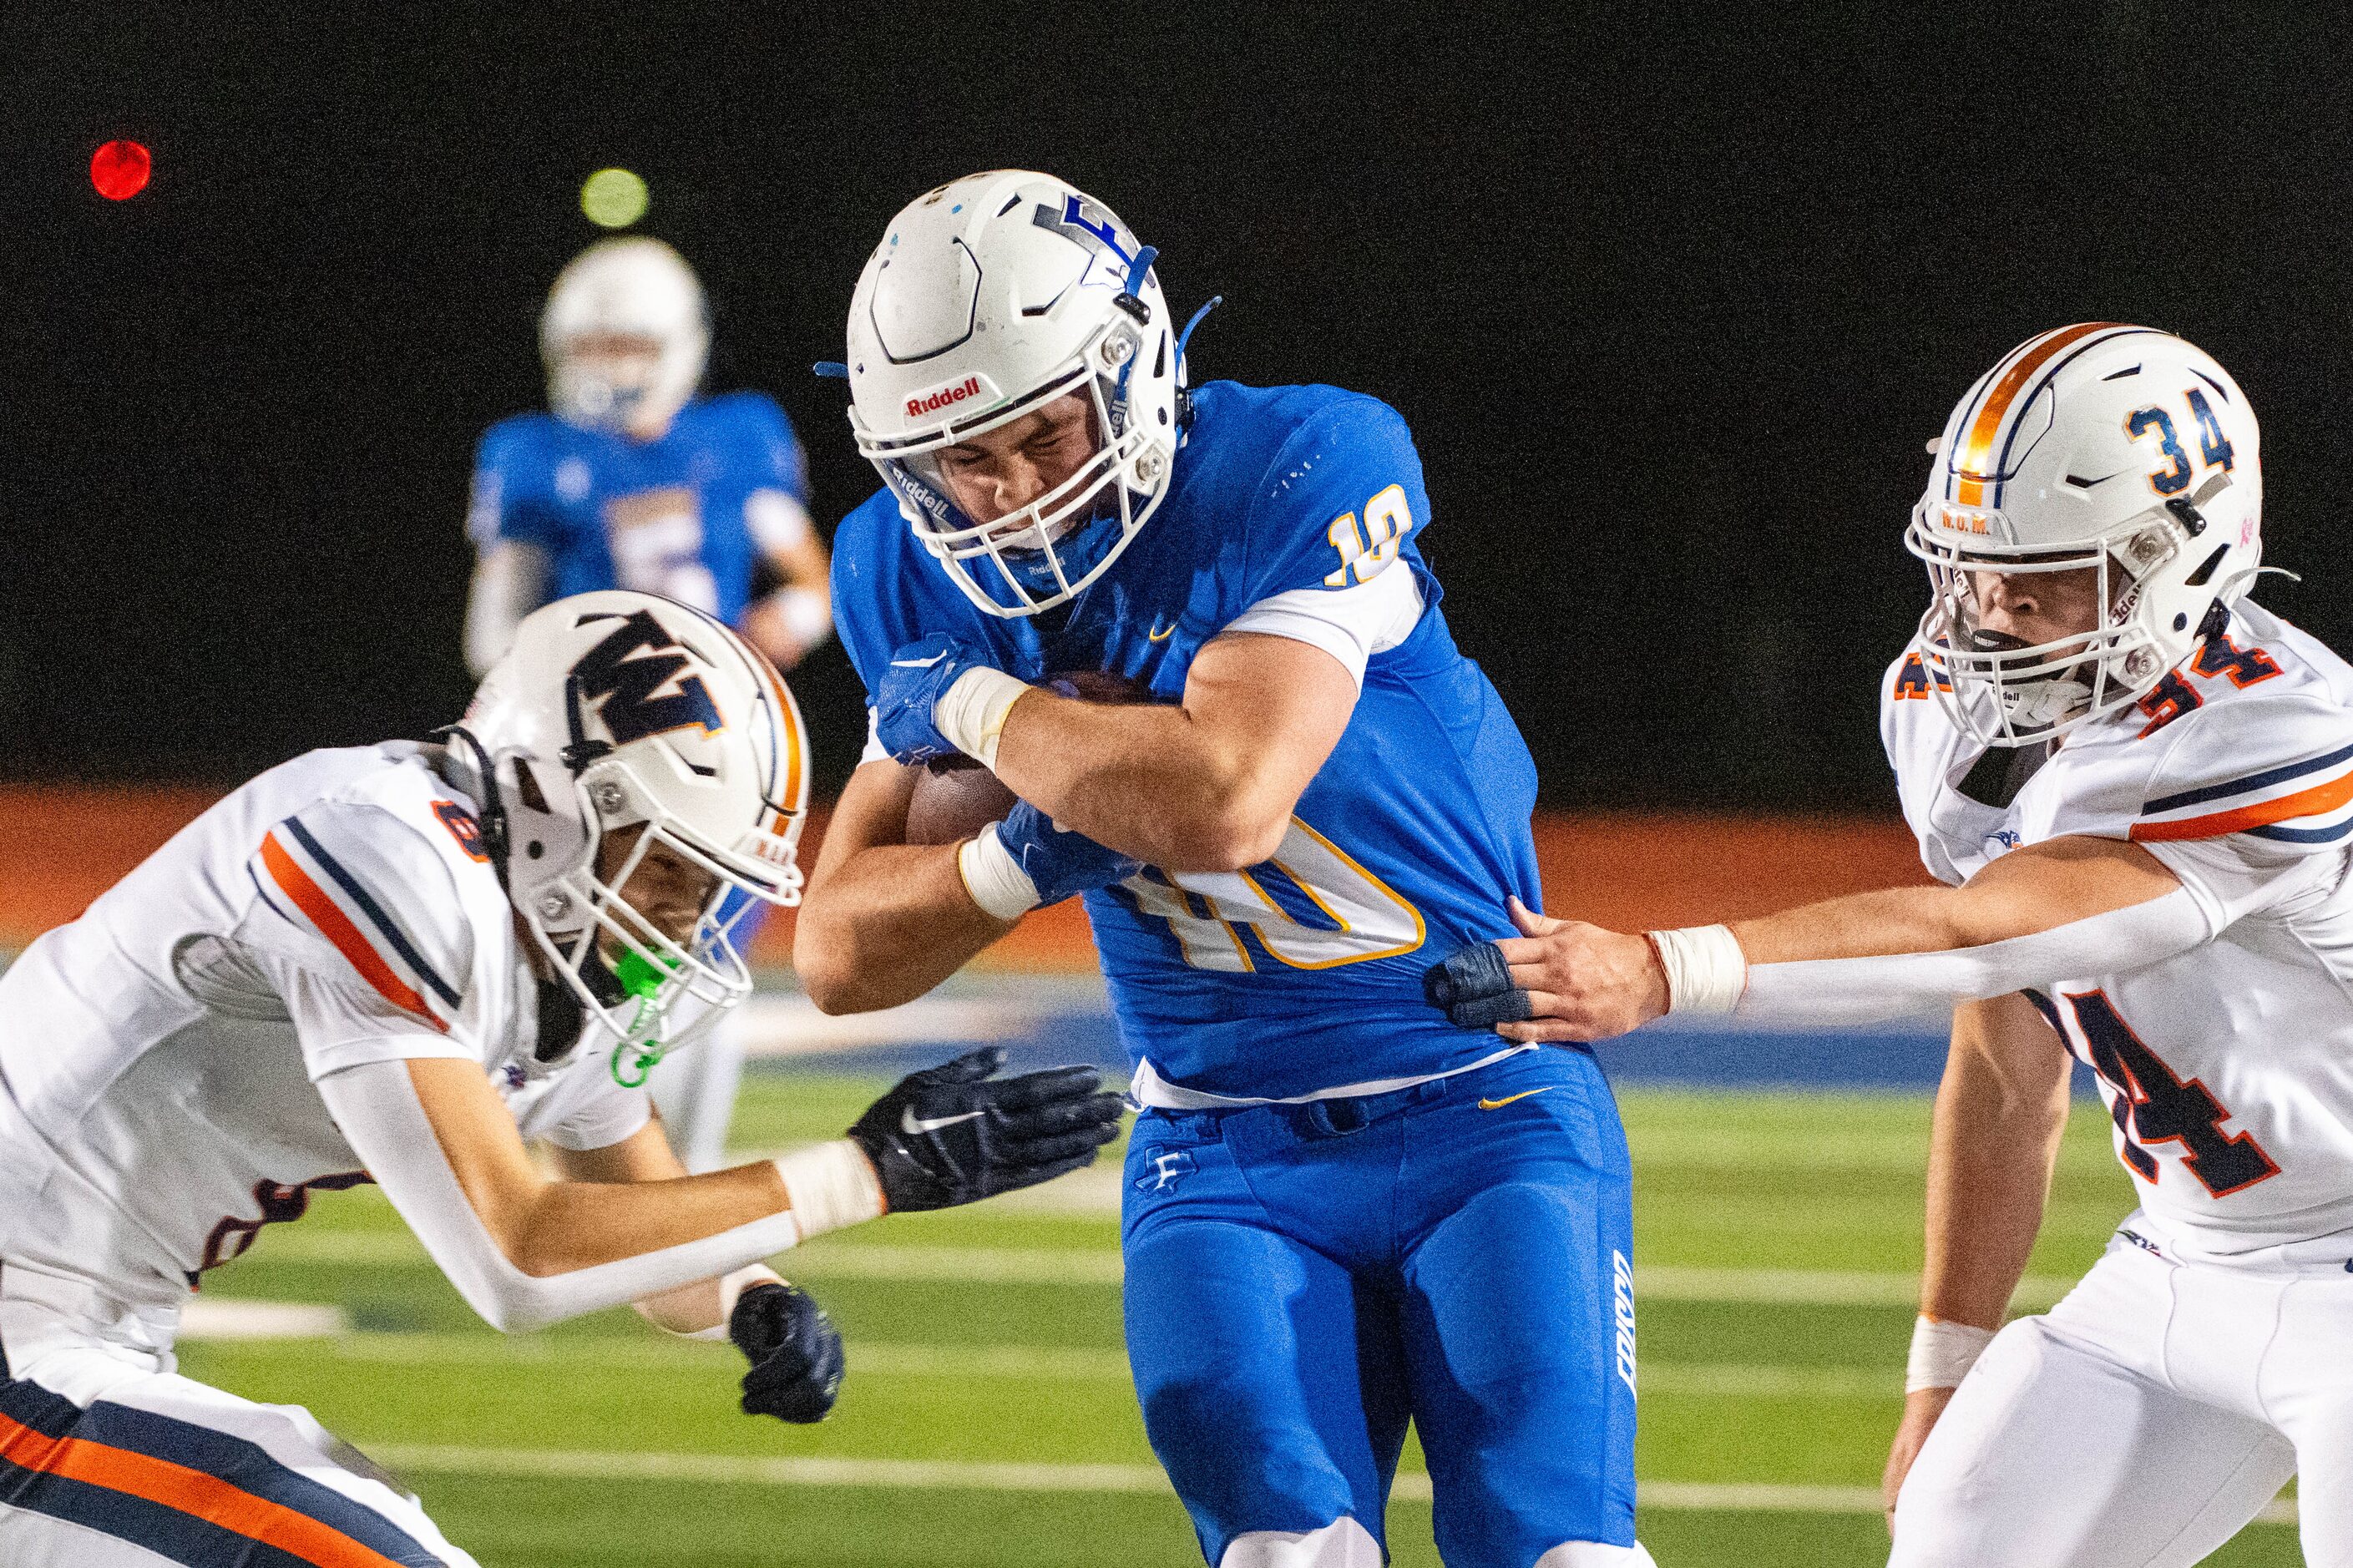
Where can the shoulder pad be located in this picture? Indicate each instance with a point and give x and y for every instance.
(2279, 768)
(1339, 503)
(373, 887)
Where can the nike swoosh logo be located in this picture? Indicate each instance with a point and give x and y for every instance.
(1158, 635)
(910, 1122)
(919, 663)
(1499, 1104)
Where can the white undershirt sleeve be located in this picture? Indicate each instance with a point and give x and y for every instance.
(775, 520)
(1352, 625)
(510, 578)
(1892, 985)
(376, 1108)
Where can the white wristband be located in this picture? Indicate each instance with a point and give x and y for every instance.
(1706, 971)
(830, 1186)
(994, 878)
(971, 714)
(1942, 1353)
(808, 613)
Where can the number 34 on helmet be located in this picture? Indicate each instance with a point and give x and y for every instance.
(2117, 449)
(621, 710)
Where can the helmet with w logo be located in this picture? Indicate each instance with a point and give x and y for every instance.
(2118, 450)
(617, 711)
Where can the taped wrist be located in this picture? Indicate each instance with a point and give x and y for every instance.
(1942, 1353)
(994, 878)
(1706, 971)
(830, 1186)
(971, 712)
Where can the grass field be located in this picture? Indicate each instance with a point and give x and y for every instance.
(987, 1420)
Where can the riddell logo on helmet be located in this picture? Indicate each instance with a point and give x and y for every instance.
(932, 402)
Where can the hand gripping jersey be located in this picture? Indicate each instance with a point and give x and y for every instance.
(157, 1055)
(2229, 1068)
(1304, 973)
(688, 516)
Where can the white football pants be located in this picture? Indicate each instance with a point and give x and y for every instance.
(110, 1459)
(2142, 1422)
(694, 1090)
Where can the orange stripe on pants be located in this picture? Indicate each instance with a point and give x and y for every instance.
(194, 1492)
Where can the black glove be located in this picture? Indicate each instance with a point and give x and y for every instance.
(1474, 989)
(951, 1134)
(794, 1349)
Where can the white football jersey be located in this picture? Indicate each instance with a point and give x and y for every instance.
(157, 1055)
(2229, 1068)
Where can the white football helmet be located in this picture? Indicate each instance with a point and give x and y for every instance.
(616, 709)
(2122, 449)
(987, 298)
(629, 287)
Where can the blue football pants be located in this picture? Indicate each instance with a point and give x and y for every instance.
(1302, 1281)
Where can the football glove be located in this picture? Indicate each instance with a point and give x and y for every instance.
(1474, 989)
(1058, 863)
(917, 676)
(794, 1350)
(952, 1135)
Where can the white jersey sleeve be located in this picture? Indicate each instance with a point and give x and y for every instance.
(361, 925)
(2248, 801)
(1351, 624)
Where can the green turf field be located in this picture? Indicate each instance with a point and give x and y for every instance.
(987, 1420)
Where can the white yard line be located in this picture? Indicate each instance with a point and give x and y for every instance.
(1041, 1363)
(1100, 1267)
(227, 1318)
(967, 1475)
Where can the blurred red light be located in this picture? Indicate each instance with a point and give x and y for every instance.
(119, 170)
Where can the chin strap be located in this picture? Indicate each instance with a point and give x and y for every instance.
(490, 811)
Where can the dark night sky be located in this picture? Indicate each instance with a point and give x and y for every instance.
(1671, 304)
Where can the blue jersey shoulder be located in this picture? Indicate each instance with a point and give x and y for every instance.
(514, 469)
(1323, 485)
(753, 436)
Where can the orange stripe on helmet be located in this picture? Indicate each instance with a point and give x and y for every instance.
(2304, 803)
(332, 924)
(787, 721)
(189, 1491)
(1974, 462)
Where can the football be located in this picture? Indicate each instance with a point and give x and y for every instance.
(957, 797)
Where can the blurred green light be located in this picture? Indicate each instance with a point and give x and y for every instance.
(613, 198)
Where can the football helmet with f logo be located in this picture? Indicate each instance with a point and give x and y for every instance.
(617, 711)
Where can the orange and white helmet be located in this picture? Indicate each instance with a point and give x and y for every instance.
(2121, 449)
(620, 709)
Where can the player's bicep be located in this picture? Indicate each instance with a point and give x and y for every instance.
(1274, 704)
(2058, 882)
(872, 812)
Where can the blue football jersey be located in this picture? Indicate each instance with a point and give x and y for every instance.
(666, 517)
(1304, 973)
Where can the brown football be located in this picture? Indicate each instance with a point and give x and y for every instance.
(957, 797)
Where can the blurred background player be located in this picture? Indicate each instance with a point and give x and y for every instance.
(633, 481)
(1341, 1211)
(2136, 787)
(404, 964)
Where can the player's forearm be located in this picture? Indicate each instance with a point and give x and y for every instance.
(1999, 1114)
(2027, 892)
(1148, 780)
(887, 925)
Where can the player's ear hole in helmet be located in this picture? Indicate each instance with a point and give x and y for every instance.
(992, 302)
(637, 761)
